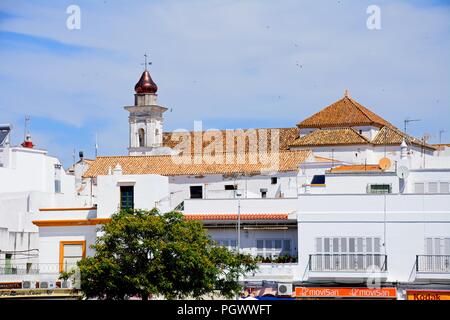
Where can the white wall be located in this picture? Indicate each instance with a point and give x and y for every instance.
(149, 191)
(217, 206)
(249, 186)
(27, 184)
(409, 219)
(49, 244)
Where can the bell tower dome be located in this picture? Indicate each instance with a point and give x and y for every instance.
(146, 117)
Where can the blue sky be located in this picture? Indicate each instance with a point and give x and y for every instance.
(231, 64)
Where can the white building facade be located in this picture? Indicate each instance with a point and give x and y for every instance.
(352, 203)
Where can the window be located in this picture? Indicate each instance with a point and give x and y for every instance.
(437, 246)
(141, 135)
(444, 187)
(196, 192)
(8, 264)
(432, 187)
(274, 180)
(230, 187)
(70, 252)
(57, 178)
(379, 188)
(318, 179)
(347, 253)
(263, 193)
(230, 244)
(273, 248)
(419, 187)
(126, 197)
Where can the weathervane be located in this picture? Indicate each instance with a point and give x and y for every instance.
(145, 61)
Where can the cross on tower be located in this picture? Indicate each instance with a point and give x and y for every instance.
(145, 61)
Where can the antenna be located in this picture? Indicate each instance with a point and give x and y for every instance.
(96, 145)
(27, 120)
(440, 135)
(407, 121)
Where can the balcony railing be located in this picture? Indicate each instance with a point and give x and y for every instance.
(19, 270)
(433, 263)
(347, 262)
(34, 269)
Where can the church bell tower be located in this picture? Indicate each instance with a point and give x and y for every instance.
(146, 118)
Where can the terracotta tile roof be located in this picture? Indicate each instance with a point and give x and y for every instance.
(286, 135)
(441, 146)
(390, 135)
(166, 166)
(356, 168)
(345, 112)
(231, 216)
(329, 137)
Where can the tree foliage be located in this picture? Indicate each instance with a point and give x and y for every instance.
(144, 253)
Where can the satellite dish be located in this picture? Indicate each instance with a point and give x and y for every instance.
(402, 172)
(384, 163)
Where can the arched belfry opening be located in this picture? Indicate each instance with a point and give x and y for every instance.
(141, 134)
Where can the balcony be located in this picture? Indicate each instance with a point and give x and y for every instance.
(347, 266)
(433, 267)
(31, 272)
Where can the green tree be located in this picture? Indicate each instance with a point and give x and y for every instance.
(145, 253)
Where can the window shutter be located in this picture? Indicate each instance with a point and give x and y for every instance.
(344, 245)
(377, 245)
(432, 187)
(428, 246)
(447, 246)
(359, 244)
(351, 245)
(369, 248)
(319, 245)
(437, 246)
(326, 245)
(419, 187)
(336, 245)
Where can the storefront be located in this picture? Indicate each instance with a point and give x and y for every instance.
(428, 294)
(345, 293)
